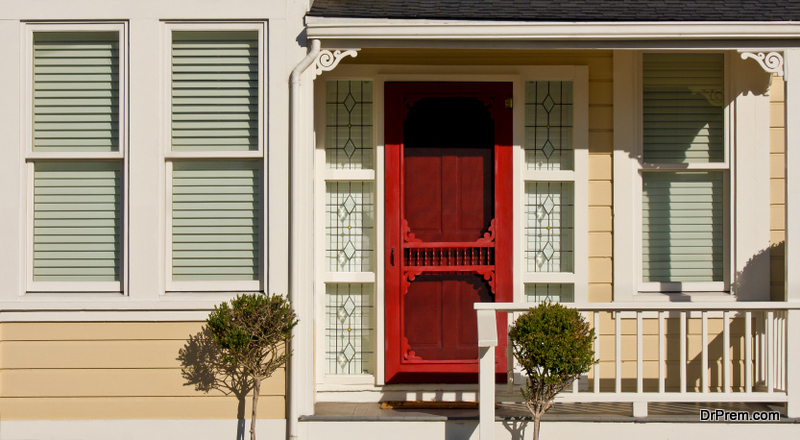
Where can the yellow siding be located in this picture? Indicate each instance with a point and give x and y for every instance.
(650, 353)
(777, 197)
(81, 371)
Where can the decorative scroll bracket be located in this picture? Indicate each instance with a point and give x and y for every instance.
(771, 62)
(327, 60)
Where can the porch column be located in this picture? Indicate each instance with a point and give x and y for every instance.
(792, 243)
(487, 341)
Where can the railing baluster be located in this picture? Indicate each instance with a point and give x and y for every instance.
(748, 351)
(510, 358)
(704, 353)
(639, 352)
(662, 357)
(683, 351)
(618, 352)
(597, 352)
(726, 352)
(770, 375)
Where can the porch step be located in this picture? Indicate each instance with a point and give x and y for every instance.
(578, 421)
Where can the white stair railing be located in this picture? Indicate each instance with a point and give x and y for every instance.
(771, 357)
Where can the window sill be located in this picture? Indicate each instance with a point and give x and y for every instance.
(684, 297)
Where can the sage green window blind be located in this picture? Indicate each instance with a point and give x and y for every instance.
(682, 223)
(76, 221)
(76, 91)
(683, 108)
(216, 217)
(215, 91)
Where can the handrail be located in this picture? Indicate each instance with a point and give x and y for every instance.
(651, 306)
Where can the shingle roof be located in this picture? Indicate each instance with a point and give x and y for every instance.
(564, 10)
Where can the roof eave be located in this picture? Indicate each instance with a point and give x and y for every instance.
(343, 29)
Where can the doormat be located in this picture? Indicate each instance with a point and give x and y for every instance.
(428, 405)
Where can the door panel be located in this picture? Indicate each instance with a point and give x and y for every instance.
(448, 225)
(439, 319)
(448, 192)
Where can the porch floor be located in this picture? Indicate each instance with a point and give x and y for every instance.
(573, 412)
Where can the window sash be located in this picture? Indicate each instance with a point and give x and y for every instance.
(683, 108)
(682, 227)
(76, 91)
(215, 216)
(215, 91)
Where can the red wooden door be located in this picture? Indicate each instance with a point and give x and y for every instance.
(448, 225)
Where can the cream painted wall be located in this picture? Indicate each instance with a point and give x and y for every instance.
(148, 96)
(86, 369)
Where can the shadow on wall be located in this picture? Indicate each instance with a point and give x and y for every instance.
(750, 281)
(202, 366)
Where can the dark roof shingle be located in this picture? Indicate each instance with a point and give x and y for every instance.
(563, 10)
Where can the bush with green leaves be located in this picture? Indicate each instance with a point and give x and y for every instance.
(253, 334)
(553, 345)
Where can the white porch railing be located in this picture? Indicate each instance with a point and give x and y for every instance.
(763, 328)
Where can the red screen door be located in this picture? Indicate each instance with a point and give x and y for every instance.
(448, 225)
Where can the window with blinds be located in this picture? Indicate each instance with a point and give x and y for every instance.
(216, 157)
(215, 91)
(77, 189)
(683, 180)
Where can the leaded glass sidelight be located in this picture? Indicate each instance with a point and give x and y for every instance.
(350, 226)
(348, 329)
(548, 125)
(349, 125)
(549, 226)
(537, 293)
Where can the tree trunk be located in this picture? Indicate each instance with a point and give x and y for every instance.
(256, 389)
(536, 419)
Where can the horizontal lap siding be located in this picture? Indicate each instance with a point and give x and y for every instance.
(777, 198)
(86, 371)
(650, 353)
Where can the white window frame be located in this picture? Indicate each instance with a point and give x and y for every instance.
(171, 156)
(578, 176)
(330, 384)
(26, 74)
(628, 169)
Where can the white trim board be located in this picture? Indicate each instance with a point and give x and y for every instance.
(138, 429)
(449, 30)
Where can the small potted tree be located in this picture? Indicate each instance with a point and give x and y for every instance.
(553, 345)
(252, 334)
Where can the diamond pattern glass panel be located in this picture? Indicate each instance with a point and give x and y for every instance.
(536, 293)
(350, 227)
(349, 329)
(349, 125)
(548, 125)
(549, 226)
